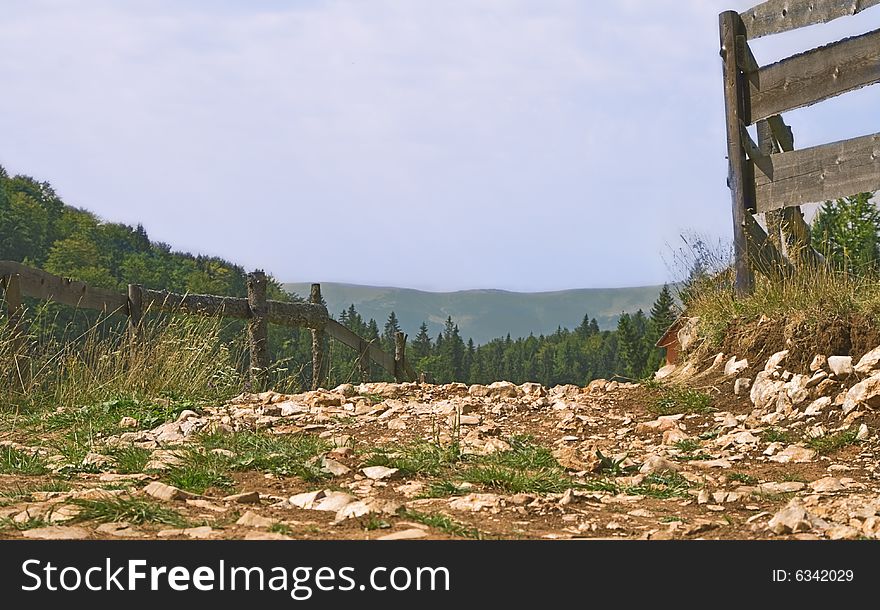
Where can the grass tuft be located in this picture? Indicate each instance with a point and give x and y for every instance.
(675, 400)
(132, 510)
(833, 442)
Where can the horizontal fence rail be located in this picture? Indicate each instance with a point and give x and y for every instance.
(769, 176)
(777, 16)
(19, 281)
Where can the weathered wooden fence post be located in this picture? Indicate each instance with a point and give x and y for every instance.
(363, 360)
(399, 357)
(318, 367)
(739, 176)
(135, 309)
(258, 329)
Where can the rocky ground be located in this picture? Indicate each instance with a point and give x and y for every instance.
(722, 448)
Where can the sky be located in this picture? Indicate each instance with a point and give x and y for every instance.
(519, 145)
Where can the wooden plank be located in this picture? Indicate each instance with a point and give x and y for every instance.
(730, 26)
(808, 78)
(347, 337)
(38, 284)
(753, 151)
(821, 173)
(258, 329)
(744, 57)
(776, 16)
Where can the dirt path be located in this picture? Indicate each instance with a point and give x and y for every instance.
(420, 461)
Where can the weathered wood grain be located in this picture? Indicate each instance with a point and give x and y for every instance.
(764, 255)
(808, 78)
(202, 304)
(819, 173)
(318, 366)
(781, 132)
(258, 329)
(739, 173)
(347, 337)
(776, 16)
(39, 284)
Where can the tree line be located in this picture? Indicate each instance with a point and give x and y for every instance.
(37, 228)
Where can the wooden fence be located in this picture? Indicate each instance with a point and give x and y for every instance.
(18, 281)
(770, 176)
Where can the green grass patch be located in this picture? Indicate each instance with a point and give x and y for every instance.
(834, 442)
(199, 472)
(19, 490)
(445, 524)
(422, 458)
(13, 461)
(675, 400)
(443, 489)
(741, 477)
(661, 486)
(281, 454)
(130, 460)
(7, 523)
(687, 445)
(281, 528)
(511, 480)
(776, 435)
(132, 510)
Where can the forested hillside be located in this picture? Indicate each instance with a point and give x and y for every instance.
(39, 229)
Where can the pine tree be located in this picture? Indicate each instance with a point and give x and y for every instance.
(663, 314)
(846, 233)
(421, 345)
(392, 327)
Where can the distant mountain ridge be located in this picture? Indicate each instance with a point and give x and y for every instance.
(485, 314)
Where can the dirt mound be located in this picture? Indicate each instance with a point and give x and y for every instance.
(758, 339)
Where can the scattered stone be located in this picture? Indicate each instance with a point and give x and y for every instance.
(818, 363)
(841, 366)
(795, 454)
(119, 530)
(252, 519)
(865, 392)
(775, 360)
(657, 464)
(827, 485)
(161, 491)
(128, 422)
(791, 519)
(862, 433)
(378, 472)
(413, 533)
(248, 497)
(869, 362)
(741, 386)
(734, 366)
(331, 466)
(56, 532)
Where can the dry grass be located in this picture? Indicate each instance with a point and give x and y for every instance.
(174, 356)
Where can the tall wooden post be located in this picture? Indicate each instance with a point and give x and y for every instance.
(318, 366)
(363, 360)
(14, 307)
(739, 171)
(258, 329)
(135, 308)
(399, 357)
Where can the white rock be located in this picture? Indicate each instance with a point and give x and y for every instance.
(775, 360)
(367, 506)
(165, 492)
(413, 533)
(475, 502)
(333, 501)
(56, 532)
(306, 500)
(815, 407)
(378, 472)
(791, 519)
(866, 392)
(741, 386)
(795, 454)
(818, 363)
(657, 464)
(869, 362)
(665, 371)
(674, 435)
(252, 519)
(765, 390)
(337, 469)
(840, 365)
(734, 366)
(826, 485)
(863, 433)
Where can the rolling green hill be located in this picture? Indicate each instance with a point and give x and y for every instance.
(486, 314)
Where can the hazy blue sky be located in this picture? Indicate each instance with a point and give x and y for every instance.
(526, 145)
